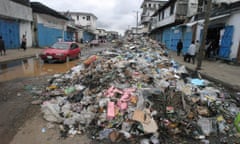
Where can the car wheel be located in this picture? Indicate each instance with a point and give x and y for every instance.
(67, 58)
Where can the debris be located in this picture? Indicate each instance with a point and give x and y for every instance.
(36, 102)
(138, 93)
(43, 130)
(237, 122)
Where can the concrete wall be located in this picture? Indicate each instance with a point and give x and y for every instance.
(234, 20)
(15, 10)
(165, 21)
(192, 7)
(167, 12)
(51, 22)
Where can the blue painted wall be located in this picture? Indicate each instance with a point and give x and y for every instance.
(226, 43)
(166, 37)
(158, 37)
(68, 36)
(48, 36)
(9, 30)
(187, 38)
(176, 35)
(88, 36)
(171, 36)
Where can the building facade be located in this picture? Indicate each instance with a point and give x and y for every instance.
(112, 35)
(223, 30)
(101, 34)
(87, 23)
(49, 25)
(178, 20)
(164, 20)
(15, 20)
(148, 8)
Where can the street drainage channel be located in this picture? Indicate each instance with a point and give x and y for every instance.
(32, 67)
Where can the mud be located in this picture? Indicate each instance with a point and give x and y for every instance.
(15, 105)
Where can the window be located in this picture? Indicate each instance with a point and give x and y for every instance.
(88, 18)
(73, 46)
(149, 5)
(83, 17)
(77, 17)
(163, 15)
(154, 5)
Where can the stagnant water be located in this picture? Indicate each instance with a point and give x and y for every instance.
(32, 67)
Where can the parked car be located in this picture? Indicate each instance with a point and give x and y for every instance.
(94, 43)
(61, 52)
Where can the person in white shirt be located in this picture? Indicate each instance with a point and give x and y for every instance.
(191, 53)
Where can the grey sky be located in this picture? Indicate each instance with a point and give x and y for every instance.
(114, 15)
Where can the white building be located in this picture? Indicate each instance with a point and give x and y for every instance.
(101, 34)
(15, 20)
(148, 9)
(86, 20)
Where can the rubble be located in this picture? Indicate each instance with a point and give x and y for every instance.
(138, 94)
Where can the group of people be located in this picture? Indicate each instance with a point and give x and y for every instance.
(2, 45)
(191, 52)
(211, 49)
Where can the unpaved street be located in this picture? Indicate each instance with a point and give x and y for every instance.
(16, 110)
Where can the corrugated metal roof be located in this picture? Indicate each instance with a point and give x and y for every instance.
(38, 7)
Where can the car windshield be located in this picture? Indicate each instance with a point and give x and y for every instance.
(60, 46)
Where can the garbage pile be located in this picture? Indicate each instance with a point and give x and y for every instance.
(138, 94)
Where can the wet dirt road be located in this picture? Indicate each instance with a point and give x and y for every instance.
(15, 98)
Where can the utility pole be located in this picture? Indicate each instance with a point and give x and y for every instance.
(136, 21)
(205, 28)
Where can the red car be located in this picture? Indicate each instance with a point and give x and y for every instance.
(61, 52)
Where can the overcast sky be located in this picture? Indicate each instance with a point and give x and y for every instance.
(114, 15)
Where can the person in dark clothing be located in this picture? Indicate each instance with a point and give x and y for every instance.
(2, 46)
(24, 42)
(179, 47)
(209, 49)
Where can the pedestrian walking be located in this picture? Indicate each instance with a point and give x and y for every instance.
(179, 47)
(191, 53)
(2, 46)
(24, 43)
(197, 48)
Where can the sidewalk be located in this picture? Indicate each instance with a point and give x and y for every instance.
(226, 74)
(16, 54)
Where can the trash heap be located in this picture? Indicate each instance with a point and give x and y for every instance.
(138, 94)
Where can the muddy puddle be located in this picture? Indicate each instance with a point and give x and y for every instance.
(32, 67)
